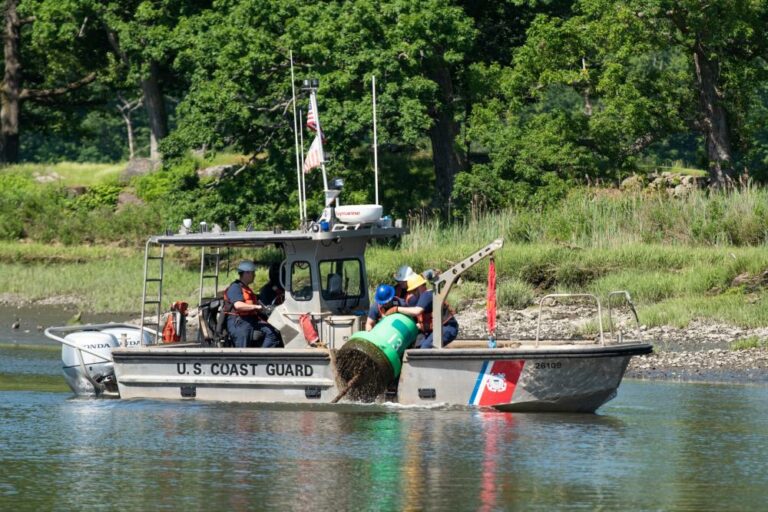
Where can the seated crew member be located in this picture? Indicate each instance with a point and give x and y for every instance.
(245, 315)
(272, 293)
(401, 281)
(384, 301)
(419, 307)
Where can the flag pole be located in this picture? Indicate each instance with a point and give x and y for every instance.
(296, 142)
(375, 142)
(303, 190)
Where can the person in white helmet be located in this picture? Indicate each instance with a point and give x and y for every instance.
(401, 281)
(246, 321)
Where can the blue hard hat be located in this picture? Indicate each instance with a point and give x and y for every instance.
(384, 293)
(246, 266)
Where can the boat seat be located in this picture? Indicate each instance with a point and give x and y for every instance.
(213, 324)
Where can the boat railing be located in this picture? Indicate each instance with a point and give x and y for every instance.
(619, 334)
(55, 333)
(616, 334)
(571, 295)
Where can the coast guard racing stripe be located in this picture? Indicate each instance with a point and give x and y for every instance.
(496, 382)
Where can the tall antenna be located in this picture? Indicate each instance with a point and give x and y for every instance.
(375, 143)
(296, 143)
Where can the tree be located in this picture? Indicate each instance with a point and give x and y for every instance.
(645, 71)
(237, 61)
(140, 33)
(57, 46)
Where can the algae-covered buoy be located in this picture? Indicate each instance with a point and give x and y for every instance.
(369, 361)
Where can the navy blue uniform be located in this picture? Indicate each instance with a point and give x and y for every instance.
(241, 327)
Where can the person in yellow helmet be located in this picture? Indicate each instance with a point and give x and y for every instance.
(419, 307)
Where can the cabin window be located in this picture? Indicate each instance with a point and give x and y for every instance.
(341, 279)
(301, 280)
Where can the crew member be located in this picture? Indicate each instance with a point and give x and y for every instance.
(246, 321)
(272, 293)
(401, 281)
(419, 307)
(384, 301)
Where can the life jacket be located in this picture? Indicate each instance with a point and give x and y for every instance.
(249, 297)
(424, 320)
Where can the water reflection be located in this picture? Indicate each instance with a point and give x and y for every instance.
(658, 446)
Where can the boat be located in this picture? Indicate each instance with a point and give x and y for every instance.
(323, 272)
(326, 279)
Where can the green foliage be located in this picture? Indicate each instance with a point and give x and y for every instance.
(747, 343)
(97, 197)
(167, 183)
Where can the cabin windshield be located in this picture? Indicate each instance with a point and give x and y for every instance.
(341, 279)
(301, 280)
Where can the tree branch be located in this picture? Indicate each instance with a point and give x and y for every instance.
(56, 91)
(27, 20)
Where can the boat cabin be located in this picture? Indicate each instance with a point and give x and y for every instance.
(323, 273)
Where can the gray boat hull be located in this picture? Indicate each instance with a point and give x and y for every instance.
(554, 378)
(561, 379)
(229, 375)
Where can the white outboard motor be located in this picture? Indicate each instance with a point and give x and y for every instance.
(133, 336)
(89, 372)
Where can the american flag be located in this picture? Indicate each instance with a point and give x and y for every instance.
(311, 119)
(314, 155)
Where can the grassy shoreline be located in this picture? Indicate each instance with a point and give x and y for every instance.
(671, 285)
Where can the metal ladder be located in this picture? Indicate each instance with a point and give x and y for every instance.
(153, 304)
(208, 259)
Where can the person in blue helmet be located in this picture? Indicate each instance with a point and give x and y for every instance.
(246, 318)
(419, 307)
(384, 300)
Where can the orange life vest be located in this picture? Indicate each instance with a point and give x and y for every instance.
(424, 320)
(249, 297)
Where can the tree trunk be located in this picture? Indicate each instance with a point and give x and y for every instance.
(448, 161)
(714, 120)
(11, 87)
(155, 105)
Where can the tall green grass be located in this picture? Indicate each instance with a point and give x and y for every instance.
(591, 217)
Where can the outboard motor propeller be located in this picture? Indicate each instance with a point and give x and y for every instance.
(89, 373)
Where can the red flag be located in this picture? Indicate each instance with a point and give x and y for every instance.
(490, 303)
(314, 156)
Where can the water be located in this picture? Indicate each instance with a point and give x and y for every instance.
(658, 446)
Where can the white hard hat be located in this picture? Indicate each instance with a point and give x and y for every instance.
(246, 266)
(403, 273)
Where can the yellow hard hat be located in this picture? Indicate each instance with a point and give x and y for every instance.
(415, 281)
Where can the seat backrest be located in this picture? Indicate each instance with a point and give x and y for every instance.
(212, 321)
(334, 285)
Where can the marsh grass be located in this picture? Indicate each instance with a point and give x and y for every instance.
(747, 343)
(30, 382)
(677, 257)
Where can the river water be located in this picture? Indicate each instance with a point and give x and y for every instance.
(657, 446)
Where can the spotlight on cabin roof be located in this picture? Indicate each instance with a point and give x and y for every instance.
(336, 184)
